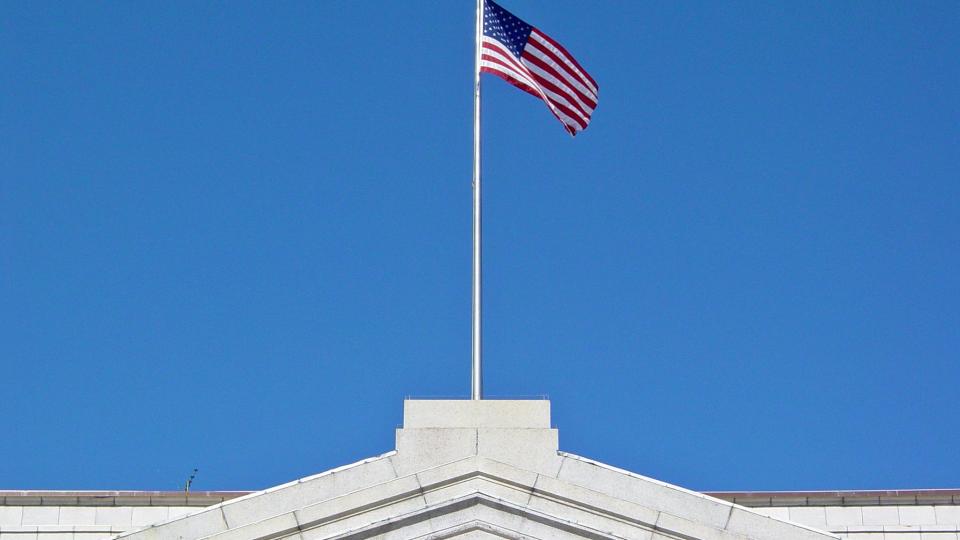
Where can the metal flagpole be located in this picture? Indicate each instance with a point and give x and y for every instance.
(476, 386)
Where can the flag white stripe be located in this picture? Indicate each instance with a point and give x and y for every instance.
(562, 100)
(567, 120)
(547, 45)
(569, 80)
(543, 41)
(516, 67)
(567, 91)
(547, 94)
(504, 54)
(513, 72)
(551, 98)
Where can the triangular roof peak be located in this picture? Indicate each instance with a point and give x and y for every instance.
(476, 469)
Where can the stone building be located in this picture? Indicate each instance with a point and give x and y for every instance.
(470, 470)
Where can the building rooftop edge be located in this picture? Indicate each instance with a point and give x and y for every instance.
(117, 493)
(115, 498)
(838, 493)
(746, 498)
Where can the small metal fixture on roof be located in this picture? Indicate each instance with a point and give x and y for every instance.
(186, 486)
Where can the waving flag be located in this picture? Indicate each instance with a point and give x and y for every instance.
(533, 62)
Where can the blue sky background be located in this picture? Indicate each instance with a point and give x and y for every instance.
(234, 236)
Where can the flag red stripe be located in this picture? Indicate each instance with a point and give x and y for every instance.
(549, 54)
(537, 93)
(517, 66)
(498, 48)
(572, 73)
(586, 100)
(505, 58)
(570, 57)
(515, 82)
(523, 85)
(570, 114)
(557, 90)
(497, 60)
(538, 81)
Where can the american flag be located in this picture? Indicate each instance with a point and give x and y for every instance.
(533, 62)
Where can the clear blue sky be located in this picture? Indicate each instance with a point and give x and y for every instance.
(234, 236)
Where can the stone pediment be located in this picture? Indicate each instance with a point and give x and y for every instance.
(470, 470)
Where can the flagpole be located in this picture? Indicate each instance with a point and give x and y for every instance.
(476, 386)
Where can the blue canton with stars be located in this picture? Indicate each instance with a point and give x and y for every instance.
(504, 27)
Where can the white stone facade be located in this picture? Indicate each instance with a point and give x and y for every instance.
(479, 469)
(71, 517)
(865, 515)
(93, 515)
